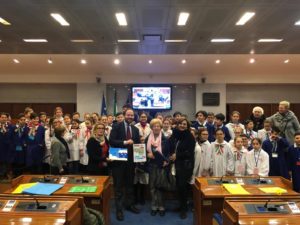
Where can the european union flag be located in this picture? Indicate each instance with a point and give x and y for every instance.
(103, 106)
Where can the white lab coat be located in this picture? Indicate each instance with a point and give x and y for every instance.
(232, 126)
(144, 132)
(262, 134)
(222, 163)
(240, 165)
(262, 163)
(84, 137)
(202, 160)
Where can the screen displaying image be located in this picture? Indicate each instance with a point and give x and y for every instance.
(151, 98)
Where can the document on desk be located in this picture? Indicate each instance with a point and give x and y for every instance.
(273, 190)
(23, 187)
(235, 189)
(83, 189)
(42, 189)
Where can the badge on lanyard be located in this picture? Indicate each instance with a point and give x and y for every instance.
(274, 155)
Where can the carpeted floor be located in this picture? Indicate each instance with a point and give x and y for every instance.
(144, 218)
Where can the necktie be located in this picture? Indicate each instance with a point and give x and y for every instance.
(128, 133)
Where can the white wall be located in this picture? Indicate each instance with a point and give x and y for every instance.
(89, 97)
(258, 93)
(201, 88)
(37, 93)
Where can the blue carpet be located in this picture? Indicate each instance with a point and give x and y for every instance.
(144, 218)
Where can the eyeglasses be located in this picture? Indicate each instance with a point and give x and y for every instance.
(100, 128)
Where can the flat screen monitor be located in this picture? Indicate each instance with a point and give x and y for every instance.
(152, 97)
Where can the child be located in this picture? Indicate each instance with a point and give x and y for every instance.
(143, 126)
(257, 160)
(222, 158)
(74, 147)
(246, 144)
(294, 162)
(277, 148)
(202, 155)
(219, 124)
(264, 134)
(166, 130)
(85, 134)
(250, 133)
(238, 131)
(200, 120)
(235, 117)
(239, 156)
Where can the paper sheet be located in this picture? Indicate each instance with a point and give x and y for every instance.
(236, 189)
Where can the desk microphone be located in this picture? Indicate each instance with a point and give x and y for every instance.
(221, 181)
(84, 180)
(47, 179)
(260, 181)
(38, 206)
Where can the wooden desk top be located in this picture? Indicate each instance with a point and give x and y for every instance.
(218, 191)
(22, 220)
(236, 210)
(100, 181)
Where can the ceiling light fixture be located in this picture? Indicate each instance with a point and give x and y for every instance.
(4, 22)
(218, 61)
(270, 40)
(175, 40)
(35, 40)
(83, 61)
(245, 18)
(182, 19)
(252, 60)
(150, 61)
(16, 61)
(117, 61)
(60, 19)
(128, 40)
(297, 23)
(252, 52)
(82, 40)
(121, 18)
(183, 61)
(286, 61)
(50, 61)
(217, 40)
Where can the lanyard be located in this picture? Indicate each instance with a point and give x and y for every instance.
(256, 160)
(274, 148)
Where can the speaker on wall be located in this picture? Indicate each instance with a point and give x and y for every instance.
(211, 99)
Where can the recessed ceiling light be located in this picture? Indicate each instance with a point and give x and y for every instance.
(60, 19)
(297, 23)
(252, 60)
(182, 19)
(83, 61)
(150, 61)
(245, 18)
(183, 61)
(16, 61)
(128, 40)
(252, 52)
(218, 61)
(50, 61)
(0, 40)
(270, 40)
(176, 40)
(286, 61)
(117, 61)
(121, 18)
(35, 40)
(216, 40)
(82, 40)
(4, 22)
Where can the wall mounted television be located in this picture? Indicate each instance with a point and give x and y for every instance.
(151, 97)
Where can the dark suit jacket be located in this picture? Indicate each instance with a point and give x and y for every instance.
(118, 136)
(95, 154)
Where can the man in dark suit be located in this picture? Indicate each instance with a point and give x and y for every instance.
(124, 135)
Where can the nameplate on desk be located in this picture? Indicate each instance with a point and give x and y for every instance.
(9, 205)
(63, 180)
(293, 207)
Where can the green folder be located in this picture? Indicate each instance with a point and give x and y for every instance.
(80, 189)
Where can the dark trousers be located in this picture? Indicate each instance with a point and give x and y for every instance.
(183, 177)
(123, 175)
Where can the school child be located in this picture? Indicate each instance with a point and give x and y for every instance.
(222, 159)
(35, 145)
(219, 124)
(239, 157)
(235, 117)
(294, 162)
(277, 148)
(257, 160)
(250, 133)
(264, 134)
(74, 147)
(85, 134)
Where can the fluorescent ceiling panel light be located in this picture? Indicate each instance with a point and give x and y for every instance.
(16, 61)
(182, 19)
(35, 40)
(50, 61)
(150, 61)
(252, 60)
(60, 19)
(245, 18)
(297, 23)
(83, 61)
(218, 61)
(269, 40)
(175, 40)
(218, 40)
(117, 61)
(128, 40)
(82, 40)
(286, 61)
(121, 18)
(4, 22)
(183, 61)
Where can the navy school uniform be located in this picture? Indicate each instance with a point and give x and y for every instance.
(35, 147)
(19, 136)
(294, 166)
(5, 140)
(277, 157)
(212, 131)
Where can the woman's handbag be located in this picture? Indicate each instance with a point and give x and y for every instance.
(165, 180)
